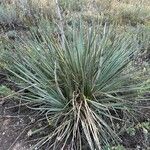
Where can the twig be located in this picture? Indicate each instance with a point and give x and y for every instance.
(61, 24)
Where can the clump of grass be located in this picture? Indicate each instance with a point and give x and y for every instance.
(25, 13)
(83, 89)
(72, 5)
(123, 12)
(135, 16)
(8, 15)
(132, 14)
(39, 9)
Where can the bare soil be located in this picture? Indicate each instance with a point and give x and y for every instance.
(13, 124)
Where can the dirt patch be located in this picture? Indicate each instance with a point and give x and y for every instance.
(13, 127)
(13, 123)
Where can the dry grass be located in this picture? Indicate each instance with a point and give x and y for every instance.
(123, 12)
(137, 10)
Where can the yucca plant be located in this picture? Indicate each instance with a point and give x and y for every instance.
(83, 90)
